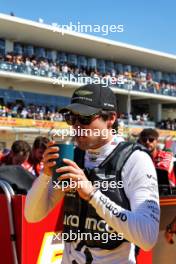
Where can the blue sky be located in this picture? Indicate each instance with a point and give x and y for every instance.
(150, 24)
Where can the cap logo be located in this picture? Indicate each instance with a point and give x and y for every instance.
(83, 92)
(107, 104)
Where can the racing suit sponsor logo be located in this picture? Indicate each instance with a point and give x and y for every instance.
(155, 211)
(102, 226)
(113, 209)
(72, 220)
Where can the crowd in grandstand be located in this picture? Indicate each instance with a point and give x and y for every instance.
(169, 124)
(37, 61)
(43, 112)
(41, 62)
(31, 111)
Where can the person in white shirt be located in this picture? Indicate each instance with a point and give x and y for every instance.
(115, 217)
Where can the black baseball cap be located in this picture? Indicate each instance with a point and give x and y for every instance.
(91, 99)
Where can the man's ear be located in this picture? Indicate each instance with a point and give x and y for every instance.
(111, 120)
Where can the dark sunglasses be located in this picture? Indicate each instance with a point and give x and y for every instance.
(150, 139)
(83, 120)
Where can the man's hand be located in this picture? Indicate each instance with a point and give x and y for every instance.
(76, 176)
(50, 154)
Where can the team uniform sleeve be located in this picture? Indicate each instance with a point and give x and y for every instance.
(41, 198)
(140, 225)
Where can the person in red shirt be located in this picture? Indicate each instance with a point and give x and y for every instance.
(163, 160)
(35, 163)
(18, 154)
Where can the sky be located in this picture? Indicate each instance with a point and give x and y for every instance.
(149, 24)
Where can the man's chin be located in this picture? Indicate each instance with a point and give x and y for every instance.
(84, 143)
(151, 150)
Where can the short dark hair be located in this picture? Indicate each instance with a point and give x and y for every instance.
(40, 142)
(20, 146)
(149, 132)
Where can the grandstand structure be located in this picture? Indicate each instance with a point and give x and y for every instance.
(42, 65)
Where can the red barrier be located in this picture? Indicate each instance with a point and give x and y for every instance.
(5, 242)
(29, 237)
(144, 257)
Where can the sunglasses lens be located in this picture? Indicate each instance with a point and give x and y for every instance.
(148, 139)
(151, 140)
(70, 119)
(85, 120)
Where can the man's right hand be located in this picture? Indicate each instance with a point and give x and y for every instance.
(49, 156)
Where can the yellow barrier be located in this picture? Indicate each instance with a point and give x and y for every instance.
(19, 122)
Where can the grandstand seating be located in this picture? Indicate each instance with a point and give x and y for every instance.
(38, 61)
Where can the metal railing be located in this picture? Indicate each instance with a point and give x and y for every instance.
(9, 193)
(79, 78)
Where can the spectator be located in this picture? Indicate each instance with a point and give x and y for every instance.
(162, 160)
(35, 163)
(18, 154)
